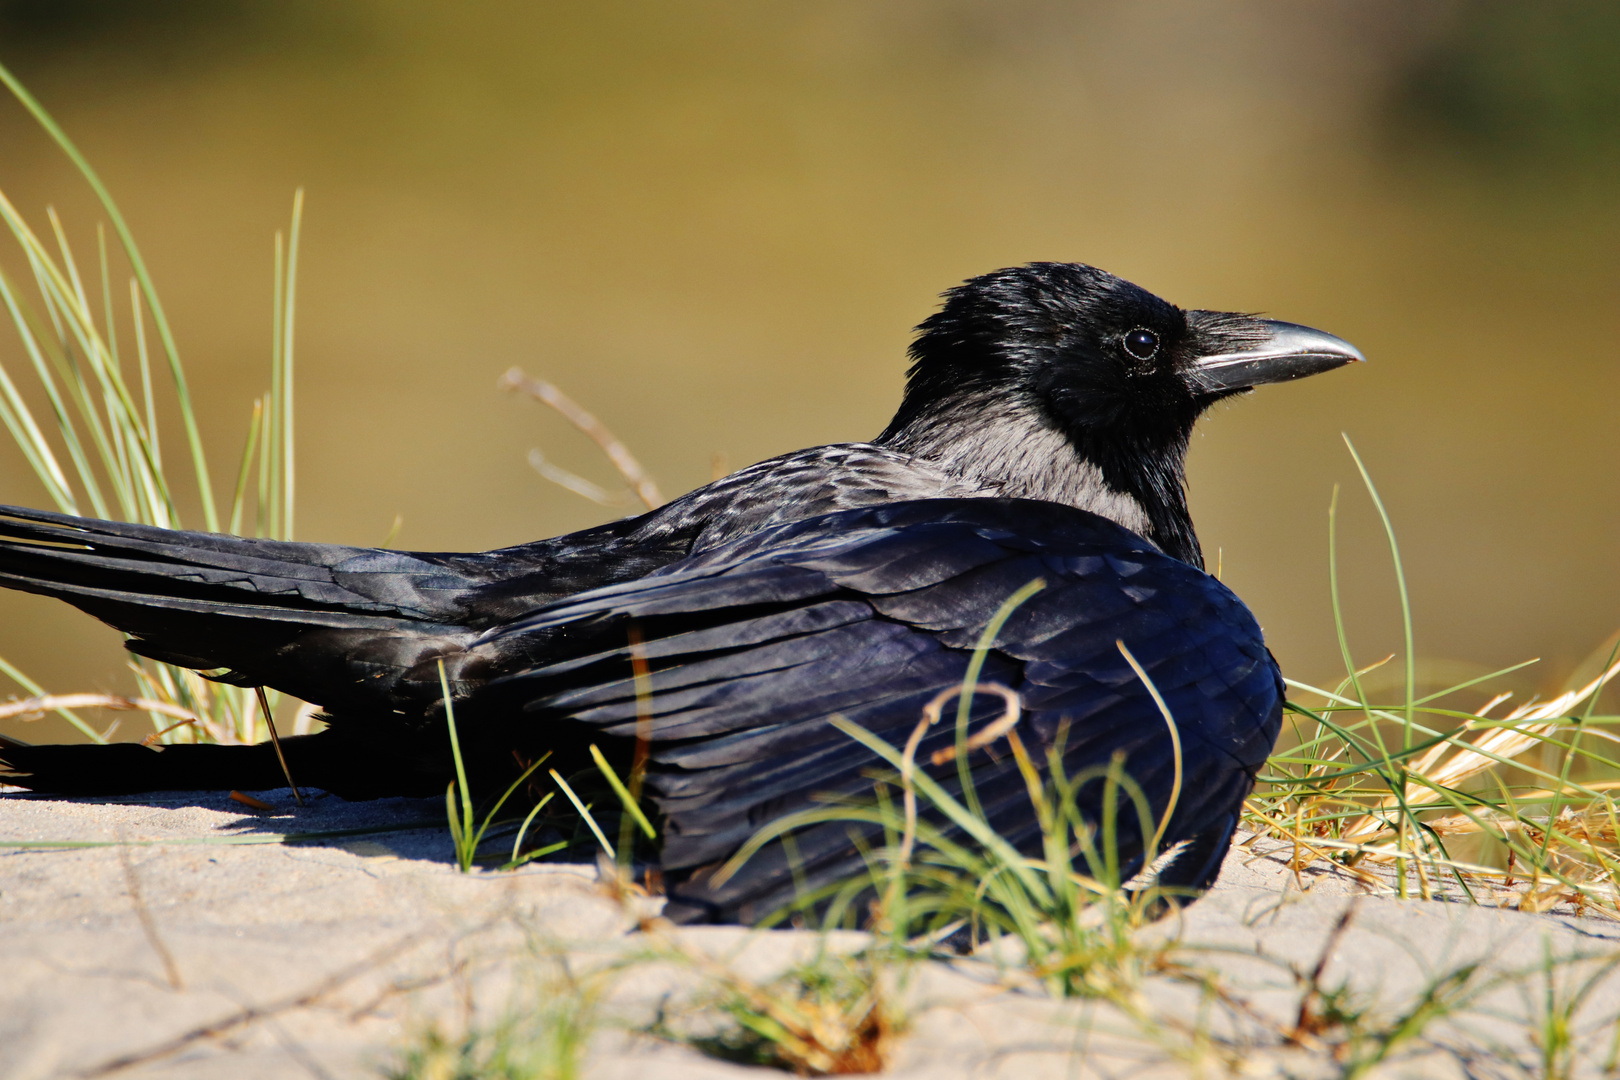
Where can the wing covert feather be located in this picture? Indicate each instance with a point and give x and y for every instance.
(754, 646)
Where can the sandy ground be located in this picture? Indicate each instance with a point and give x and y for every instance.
(204, 946)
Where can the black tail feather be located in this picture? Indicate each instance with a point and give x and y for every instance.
(113, 568)
(345, 763)
(130, 768)
(294, 616)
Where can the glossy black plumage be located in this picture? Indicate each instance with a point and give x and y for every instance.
(866, 614)
(847, 580)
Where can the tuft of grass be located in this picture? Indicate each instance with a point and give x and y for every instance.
(1347, 1026)
(834, 1014)
(461, 818)
(541, 1034)
(1432, 793)
(99, 447)
(1067, 914)
(1555, 1012)
(458, 803)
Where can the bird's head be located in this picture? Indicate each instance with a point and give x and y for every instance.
(1101, 375)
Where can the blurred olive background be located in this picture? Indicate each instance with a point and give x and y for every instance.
(715, 223)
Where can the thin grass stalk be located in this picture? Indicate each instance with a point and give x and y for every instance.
(110, 336)
(154, 441)
(1395, 777)
(285, 390)
(239, 497)
(970, 681)
(523, 830)
(106, 292)
(153, 484)
(97, 354)
(632, 809)
(614, 449)
(35, 690)
(584, 813)
(25, 321)
(1476, 680)
(1400, 582)
(66, 251)
(1152, 851)
(19, 420)
(1353, 673)
(263, 526)
(272, 443)
(455, 751)
(123, 475)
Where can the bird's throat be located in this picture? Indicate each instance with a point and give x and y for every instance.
(1013, 451)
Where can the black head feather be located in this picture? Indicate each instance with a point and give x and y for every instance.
(1071, 349)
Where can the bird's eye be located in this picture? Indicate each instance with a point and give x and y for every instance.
(1142, 344)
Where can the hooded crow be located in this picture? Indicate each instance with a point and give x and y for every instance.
(1042, 437)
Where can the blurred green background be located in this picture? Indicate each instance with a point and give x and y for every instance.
(715, 224)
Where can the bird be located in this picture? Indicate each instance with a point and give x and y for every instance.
(732, 636)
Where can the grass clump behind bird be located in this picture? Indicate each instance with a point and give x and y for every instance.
(1421, 793)
(99, 448)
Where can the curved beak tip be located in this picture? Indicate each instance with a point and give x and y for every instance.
(1287, 351)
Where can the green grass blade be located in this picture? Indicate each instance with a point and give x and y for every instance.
(35, 690)
(290, 298)
(489, 818)
(1400, 582)
(624, 794)
(111, 324)
(1353, 673)
(973, 824)
(155, 449)
(455, 746)
(585, 813)
(523, 830)
(263, 525)
(270, 486)
(148, 291)
(36, 450)
(1175, 746)
(453, 816)
(74, 323)
(239, 497)
(970, 683)
(1469, 683)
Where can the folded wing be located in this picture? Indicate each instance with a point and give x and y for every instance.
(753, 647)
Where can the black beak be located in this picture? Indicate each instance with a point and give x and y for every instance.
(1280, 352)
